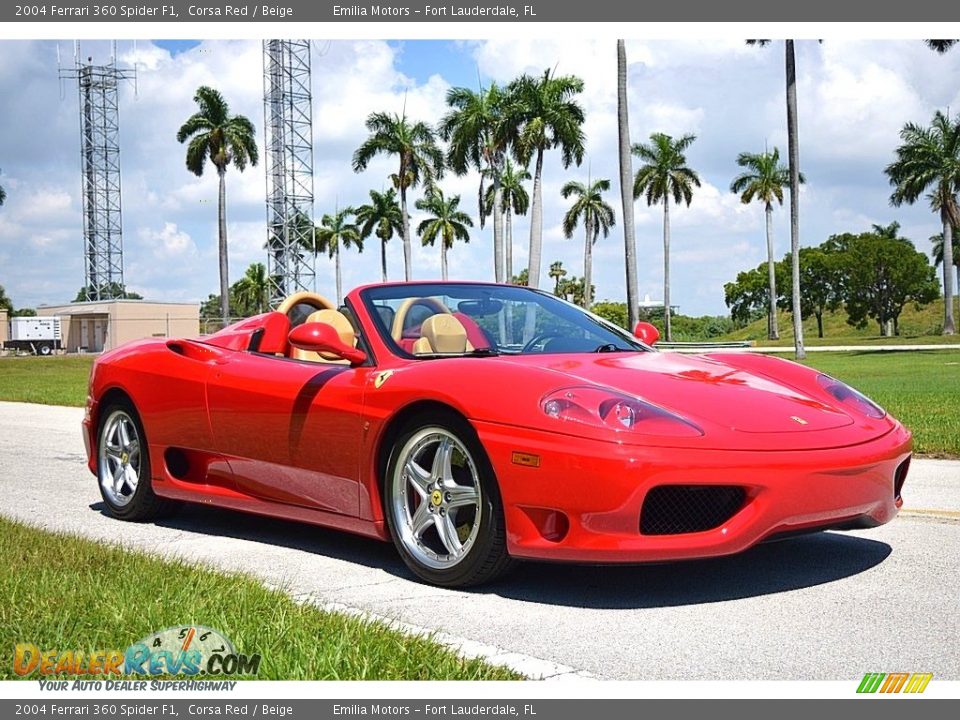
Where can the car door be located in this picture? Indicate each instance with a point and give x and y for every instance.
(291, 430)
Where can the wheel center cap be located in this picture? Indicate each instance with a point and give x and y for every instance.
(436, 497)
(124, 458)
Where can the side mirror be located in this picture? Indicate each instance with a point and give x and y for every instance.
(645, 332)
(322, 338)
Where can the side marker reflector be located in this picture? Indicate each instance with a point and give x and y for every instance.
(525, 459)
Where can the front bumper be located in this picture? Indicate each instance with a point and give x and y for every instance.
(583, 501)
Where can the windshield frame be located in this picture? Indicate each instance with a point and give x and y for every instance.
(410, 289)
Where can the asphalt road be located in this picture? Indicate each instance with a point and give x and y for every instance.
(829, 606)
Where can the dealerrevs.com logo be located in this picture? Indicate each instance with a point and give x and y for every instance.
(189, 650)
(887, 683)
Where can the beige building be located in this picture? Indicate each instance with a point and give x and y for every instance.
(103, 325)
(3, 327)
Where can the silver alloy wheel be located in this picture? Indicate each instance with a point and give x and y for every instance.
(436, 498)
(119, 462)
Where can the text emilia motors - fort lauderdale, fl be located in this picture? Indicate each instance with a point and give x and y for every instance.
(268, 11)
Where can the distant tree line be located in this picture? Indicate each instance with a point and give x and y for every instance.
(870, 275)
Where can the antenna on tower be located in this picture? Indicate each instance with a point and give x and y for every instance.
(100, 171)
(288, 144)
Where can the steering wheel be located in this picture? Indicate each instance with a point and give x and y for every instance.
(396, 330)
(305, 297)
(539, 339)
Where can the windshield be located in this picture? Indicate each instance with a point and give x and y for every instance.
(431, 320)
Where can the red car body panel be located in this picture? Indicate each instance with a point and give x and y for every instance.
(307, 441)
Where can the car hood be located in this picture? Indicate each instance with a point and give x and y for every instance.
(739, 406)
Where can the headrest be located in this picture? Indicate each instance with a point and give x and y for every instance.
(338, 321)
(445, 334)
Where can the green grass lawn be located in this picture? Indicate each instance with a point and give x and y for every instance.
(56, 380)
(62, 592)
(921, 388)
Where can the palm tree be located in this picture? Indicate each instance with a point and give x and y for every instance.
(415, 144)
(665, 174)
(626, 190)
(941, 46)
(446, 222)
(937, 241)
(764, 180)
(543, 114)
(888, 232)
(596, 214)
(3, 195)
(557, 272)
(514, 200)
(929, 159)
(793, 163)
(223, 138)
(476, 130)
(335, 231)
(252, 291)
(381, 217)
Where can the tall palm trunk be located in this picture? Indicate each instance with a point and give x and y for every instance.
(536, 245)
(773, 331)
(666, 268)
(222, 247)
(793, 144)
(497, 227)
(407, 258)
(626, 187)
(587, 260)
(383, 258)
(339, 281)
(949, 328)
(443, 259)
(508, 251)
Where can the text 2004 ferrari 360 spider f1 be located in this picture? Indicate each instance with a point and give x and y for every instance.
(473, 424)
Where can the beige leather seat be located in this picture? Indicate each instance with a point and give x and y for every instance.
(344, 329)
(442, 334)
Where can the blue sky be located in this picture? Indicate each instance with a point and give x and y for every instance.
(854, 96)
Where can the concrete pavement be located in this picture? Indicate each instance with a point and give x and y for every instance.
(829, 606)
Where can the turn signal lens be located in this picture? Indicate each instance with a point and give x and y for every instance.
(847, 396)
(605, 408)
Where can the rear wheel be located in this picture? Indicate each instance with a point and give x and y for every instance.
(443, 506)
(123, 466)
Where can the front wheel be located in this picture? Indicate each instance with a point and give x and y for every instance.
(443, 506)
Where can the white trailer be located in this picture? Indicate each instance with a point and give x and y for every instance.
(39, 335)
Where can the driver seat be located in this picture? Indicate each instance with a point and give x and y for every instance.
(344, 329)
(442, 334)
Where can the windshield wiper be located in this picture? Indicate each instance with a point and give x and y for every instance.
(610, 347)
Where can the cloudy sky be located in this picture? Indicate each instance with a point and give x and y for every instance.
(854, 97)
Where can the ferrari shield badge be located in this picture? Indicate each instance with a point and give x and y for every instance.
(382, 378)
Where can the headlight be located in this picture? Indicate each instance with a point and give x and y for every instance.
(609, 409)
(846, 395)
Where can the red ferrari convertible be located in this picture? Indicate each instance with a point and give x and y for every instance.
(473, 424)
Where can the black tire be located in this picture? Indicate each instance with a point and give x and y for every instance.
(142, 504)
(487, 557)
(45, 349)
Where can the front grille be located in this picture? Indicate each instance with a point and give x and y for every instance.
(676, 509)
